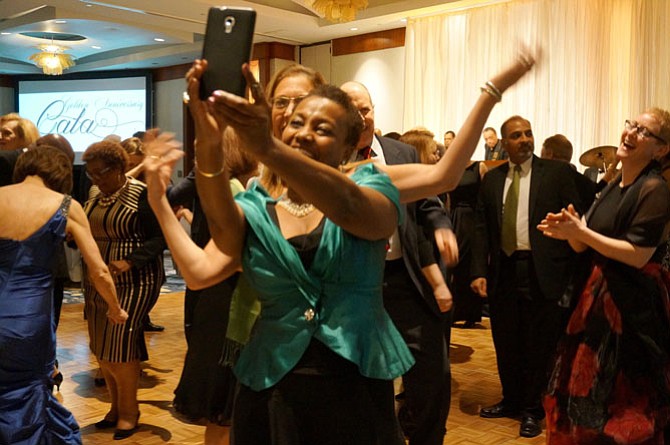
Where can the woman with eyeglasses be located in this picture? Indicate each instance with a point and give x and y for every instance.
(611, 379)
(287, 88)
(131, 243)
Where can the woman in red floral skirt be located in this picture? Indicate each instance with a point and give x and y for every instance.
(611, 379)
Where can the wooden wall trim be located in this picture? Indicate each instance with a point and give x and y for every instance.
(7, 81)
(273, 50)
(170, 72)
(373, 41)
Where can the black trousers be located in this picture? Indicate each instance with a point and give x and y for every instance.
(526, 327)
(427, 384)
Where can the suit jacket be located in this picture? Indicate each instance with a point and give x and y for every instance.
(552, 187)
(416, 230)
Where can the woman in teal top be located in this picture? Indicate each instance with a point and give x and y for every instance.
(320, 363)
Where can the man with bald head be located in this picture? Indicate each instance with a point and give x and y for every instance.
(416, 305)
(524, 274)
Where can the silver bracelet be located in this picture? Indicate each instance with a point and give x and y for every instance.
(494, 88)
(486, 89)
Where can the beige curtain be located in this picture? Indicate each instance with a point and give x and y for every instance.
(604, 61)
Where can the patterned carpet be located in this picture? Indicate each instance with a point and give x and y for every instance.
(173, 283)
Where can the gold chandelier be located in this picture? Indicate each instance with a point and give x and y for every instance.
(338, 10)
(52, 59)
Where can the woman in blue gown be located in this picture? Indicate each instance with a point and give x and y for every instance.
(35, 219)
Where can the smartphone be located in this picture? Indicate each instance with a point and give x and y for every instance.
(228, 42)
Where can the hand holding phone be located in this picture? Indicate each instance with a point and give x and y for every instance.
(228, 43)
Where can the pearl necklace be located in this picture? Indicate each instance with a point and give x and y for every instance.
(295, 209)
(108, 200)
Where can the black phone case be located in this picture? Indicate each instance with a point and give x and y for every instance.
(228, 39)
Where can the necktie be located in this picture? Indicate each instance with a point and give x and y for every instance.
(365, 153)
(508, 238)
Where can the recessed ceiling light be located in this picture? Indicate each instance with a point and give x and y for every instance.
(158, 39)
(96, 47)
(5, 33)
(353, 29)
(60, 22)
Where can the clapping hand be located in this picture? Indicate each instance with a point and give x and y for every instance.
(564, 225)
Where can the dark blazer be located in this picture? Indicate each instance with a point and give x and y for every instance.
(421, 219)
(552, 187)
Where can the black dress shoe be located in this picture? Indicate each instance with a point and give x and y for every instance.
(104, 424)
(120, 434)
(150, 327)
(498, 410)
(530, 427)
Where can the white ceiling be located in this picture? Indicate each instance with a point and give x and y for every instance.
(125, 29)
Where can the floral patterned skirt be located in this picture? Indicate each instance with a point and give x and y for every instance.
(611, 378)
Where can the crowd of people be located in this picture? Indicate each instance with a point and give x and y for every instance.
(325, 261)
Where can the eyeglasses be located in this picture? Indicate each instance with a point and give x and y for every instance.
(97, 175)
(642, 131)
(282, 102)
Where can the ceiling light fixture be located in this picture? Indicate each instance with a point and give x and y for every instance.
(52, 59)
(338, 10)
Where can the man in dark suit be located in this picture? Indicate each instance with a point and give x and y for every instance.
(523, 273)
(414, 303)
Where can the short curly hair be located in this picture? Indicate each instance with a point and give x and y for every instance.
(112, 154)
(47, 162)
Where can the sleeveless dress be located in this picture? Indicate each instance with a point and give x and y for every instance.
(29, 413)
(124, 229)
(611, 378)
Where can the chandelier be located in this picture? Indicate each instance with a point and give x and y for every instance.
(338, 10)
(52, 59)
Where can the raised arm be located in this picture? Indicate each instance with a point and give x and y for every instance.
(224, 217)
(200, 267)
(332, 192)
(78, 227)
(419, 180)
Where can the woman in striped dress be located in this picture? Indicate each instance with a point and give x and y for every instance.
(132, 244)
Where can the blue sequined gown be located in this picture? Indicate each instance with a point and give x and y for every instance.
(29, 413)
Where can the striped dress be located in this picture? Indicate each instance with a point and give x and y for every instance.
(125, 229)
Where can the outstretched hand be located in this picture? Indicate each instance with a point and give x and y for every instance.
(525, 60)
(250, 120)
(162, 153)
(564, 225)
